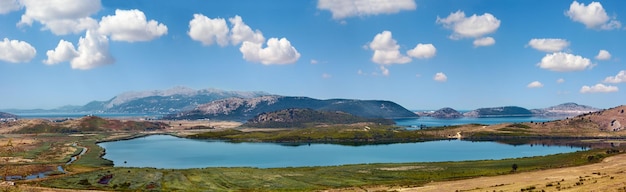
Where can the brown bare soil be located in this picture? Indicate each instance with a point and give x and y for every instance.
(608, 175)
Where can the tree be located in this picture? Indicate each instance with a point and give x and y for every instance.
(514, 167)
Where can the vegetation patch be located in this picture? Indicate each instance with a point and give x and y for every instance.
(361, 133)
(309, 178)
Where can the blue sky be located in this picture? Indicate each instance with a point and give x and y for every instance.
(420, 54)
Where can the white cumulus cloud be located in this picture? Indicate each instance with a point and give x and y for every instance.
(593, 16)
(341, 9)
(131, 26)
(485, 41)
(7, 6)
(64, 51)
(474, 26)
(564, 62)
(14, 51)
(440, 77)
(93, 51)
(61, 16)
(422, 51)
(242, 32)
(619, 78)
(208, 31)
(276, 52)
(535, 84)
(386, 50)
(560, 80)
(548, 45)
(598, 88)
(603, 55)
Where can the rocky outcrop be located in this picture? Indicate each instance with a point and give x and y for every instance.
(4, 115)
(446, 113)
(508, 111)
(564, 110)
(300, 118)
(443, 113)
(242, 109)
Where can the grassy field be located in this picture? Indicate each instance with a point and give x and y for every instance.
(362, 133)
(311, 178)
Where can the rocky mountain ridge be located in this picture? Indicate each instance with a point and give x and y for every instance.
(443, 113)
(557, 111)
(242, 109)
(300, 118)
(564, 110)
(151, 102)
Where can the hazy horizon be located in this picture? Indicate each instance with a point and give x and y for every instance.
(419, 54)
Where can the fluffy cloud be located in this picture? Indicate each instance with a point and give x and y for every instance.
(326, 76)
(440, 77)
(61, 16)
(242, 32)
(131, 26)
(548, 45)
(386, 50)
(619, 78)
(535, 84)
(603, 55)
(564, 62)
(485, 41)
(422, 51)
(208, 31)
(598, 88)
(560, 80)
(474, 26)
(276, 52)
(64, 51)
(349, 8)
(593, 16)
(14, 51)
(93, 51)
(7, 6)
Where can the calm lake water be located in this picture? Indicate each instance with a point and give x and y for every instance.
(434, 122)
(164, 151)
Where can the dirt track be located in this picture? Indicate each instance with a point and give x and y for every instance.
(608, 175)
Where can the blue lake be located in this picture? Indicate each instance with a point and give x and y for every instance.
(434, 122)
(164, 151)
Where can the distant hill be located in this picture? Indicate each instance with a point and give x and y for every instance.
(508, 111)
(564, 110)
(86, 125)
(443, 113)
(243, 109)
(301, 118)
(7, 115)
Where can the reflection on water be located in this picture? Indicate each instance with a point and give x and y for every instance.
(163, 151)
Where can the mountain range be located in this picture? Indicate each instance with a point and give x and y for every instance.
(242, 109)
(557, 111)
(167, 101)
(186, 103)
